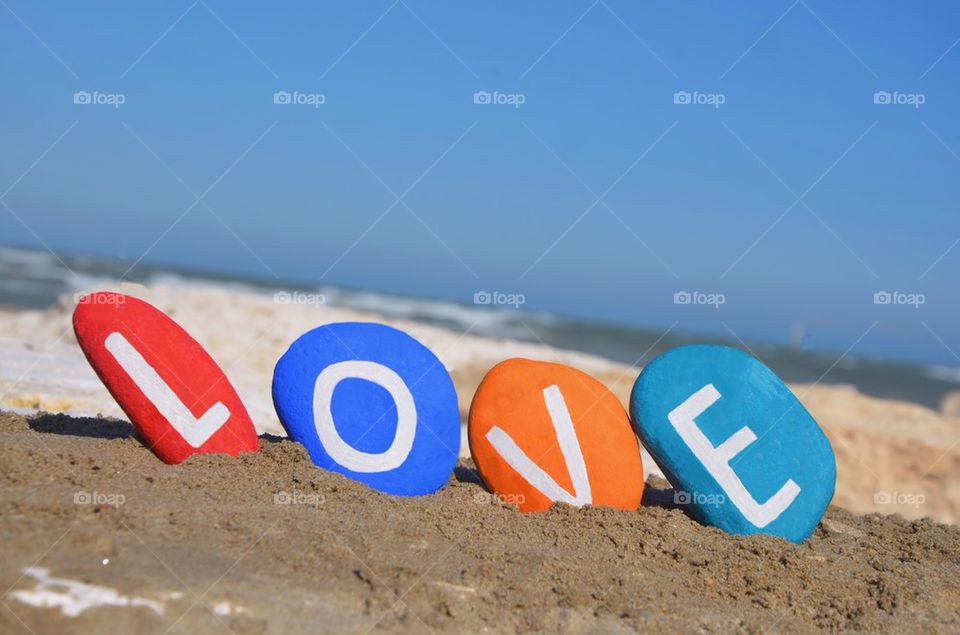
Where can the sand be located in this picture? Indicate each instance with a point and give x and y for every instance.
(891, 456)
(95, 526)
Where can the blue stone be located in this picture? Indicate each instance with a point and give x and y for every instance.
(735, 443)
(372, 403)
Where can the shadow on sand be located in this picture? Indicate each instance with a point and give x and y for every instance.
(93, 427)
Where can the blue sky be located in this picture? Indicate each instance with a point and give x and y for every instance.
(798, 198)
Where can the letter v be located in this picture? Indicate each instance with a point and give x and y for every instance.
(572, 454)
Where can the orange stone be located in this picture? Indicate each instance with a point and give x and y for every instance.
(542, 433)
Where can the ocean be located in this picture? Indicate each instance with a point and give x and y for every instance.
(34, 279)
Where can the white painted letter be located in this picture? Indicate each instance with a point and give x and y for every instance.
(338, 449)
(717, 459)
(194, 431)
(569, 446)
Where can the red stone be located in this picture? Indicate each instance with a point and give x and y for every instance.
(176, 396)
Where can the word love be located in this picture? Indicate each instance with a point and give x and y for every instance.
(370, 402)
(176, 396)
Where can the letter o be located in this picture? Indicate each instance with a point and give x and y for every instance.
(338, 449)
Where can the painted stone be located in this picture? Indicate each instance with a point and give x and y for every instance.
(542, 433)
(175, 395)
(372, 403)
(733, 440)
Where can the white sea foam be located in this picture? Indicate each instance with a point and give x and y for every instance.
(944, 373)
(502, 322)
(35, 259)
(172, 279)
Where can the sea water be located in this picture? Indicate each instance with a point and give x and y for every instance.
(35, 279)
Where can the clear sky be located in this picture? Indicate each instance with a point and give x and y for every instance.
(783, 186)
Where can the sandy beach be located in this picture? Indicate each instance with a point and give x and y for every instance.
(892, 457)
(266, 543)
